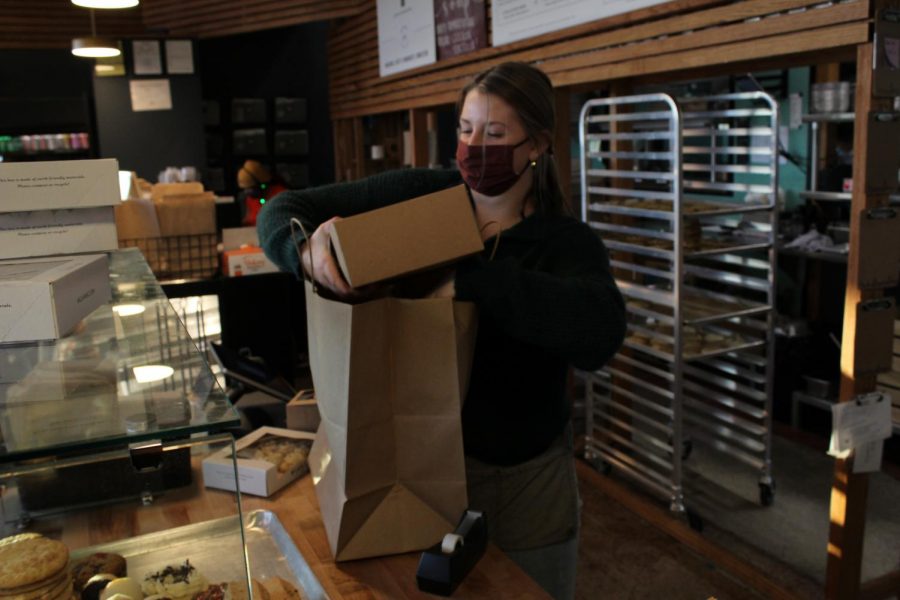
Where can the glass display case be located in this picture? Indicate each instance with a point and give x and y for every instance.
(103, 436)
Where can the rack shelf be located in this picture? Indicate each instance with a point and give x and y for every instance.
(685, 203)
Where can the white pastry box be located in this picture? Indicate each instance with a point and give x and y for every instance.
(58, 207)
(44, 298)
(267, 460)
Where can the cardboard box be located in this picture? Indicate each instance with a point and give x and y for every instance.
(58, 207)
(249, 260)
(186, 214)
(287, 460)
(235, 237)
(57, 231)
(43, 299)
(302, 412)
(407, 237)
(49, 185)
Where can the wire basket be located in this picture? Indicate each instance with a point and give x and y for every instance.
(180, 256)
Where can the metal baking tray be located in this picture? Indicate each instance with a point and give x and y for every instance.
(216, 550)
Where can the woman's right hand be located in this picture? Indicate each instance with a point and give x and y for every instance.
(319, 263)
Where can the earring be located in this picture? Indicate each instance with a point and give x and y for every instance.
(533, 164)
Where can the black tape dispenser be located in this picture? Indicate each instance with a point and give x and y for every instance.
(443, 566)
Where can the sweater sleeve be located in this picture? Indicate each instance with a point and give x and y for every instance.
(314, 206)
(572, 309)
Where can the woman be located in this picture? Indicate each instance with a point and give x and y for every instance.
(546, 301)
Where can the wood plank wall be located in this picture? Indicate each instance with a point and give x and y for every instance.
(38, 24)
(216, 18)
(676, 36)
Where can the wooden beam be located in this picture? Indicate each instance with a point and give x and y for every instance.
(418, 125)
(664, 521)
(562, 137)
(849, 490)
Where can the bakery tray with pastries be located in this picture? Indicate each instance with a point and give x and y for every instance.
(188, 563)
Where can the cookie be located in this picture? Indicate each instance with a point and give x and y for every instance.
(101, 562)
(56, 587)
(179, 582)
(31, 561)
(19, 537)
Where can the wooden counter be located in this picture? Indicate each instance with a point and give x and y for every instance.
(296, 506)
(495, 576)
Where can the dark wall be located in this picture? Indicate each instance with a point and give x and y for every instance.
(287, 62)
(44, 91)
(149, 141)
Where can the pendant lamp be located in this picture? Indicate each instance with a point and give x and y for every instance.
(106, 4)
(94, 46)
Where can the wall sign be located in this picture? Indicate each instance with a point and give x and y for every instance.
(146, 57)
(150, 94)
(460, 27)
(405, 35)
(179, 57)
(519, 19)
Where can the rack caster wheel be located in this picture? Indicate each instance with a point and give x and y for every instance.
(767, 493)
(695, 522)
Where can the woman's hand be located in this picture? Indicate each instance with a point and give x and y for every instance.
(319, 263)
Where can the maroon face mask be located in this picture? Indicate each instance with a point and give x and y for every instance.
(488, 169)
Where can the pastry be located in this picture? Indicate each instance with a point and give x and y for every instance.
(125, 586)
(285, 453)
(30, 561)
(215, 591)
(101, 562)
(96, 584)
(178, 582)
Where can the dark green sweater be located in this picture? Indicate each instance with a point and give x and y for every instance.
(546, 301)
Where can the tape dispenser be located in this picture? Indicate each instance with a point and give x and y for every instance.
(443, 566)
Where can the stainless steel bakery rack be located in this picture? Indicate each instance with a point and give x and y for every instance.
(683, 194)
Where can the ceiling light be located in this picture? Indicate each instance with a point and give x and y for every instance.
(150, 373)
(128, 310)
(95, 47)
(106, 3)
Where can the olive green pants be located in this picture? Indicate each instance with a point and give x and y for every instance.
(532, 512)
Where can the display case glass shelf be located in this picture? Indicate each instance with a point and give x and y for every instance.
(127, 374)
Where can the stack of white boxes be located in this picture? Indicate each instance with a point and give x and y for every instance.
(51, 214)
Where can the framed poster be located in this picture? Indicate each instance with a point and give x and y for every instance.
(519, 19)
(179, 57)
(150, 94)
(405, 35)
(460, 26)
(145, 54)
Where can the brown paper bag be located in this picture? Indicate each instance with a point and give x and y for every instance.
(387, 463)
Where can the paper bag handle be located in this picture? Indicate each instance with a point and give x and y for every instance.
(295, 223)
(496, 240)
